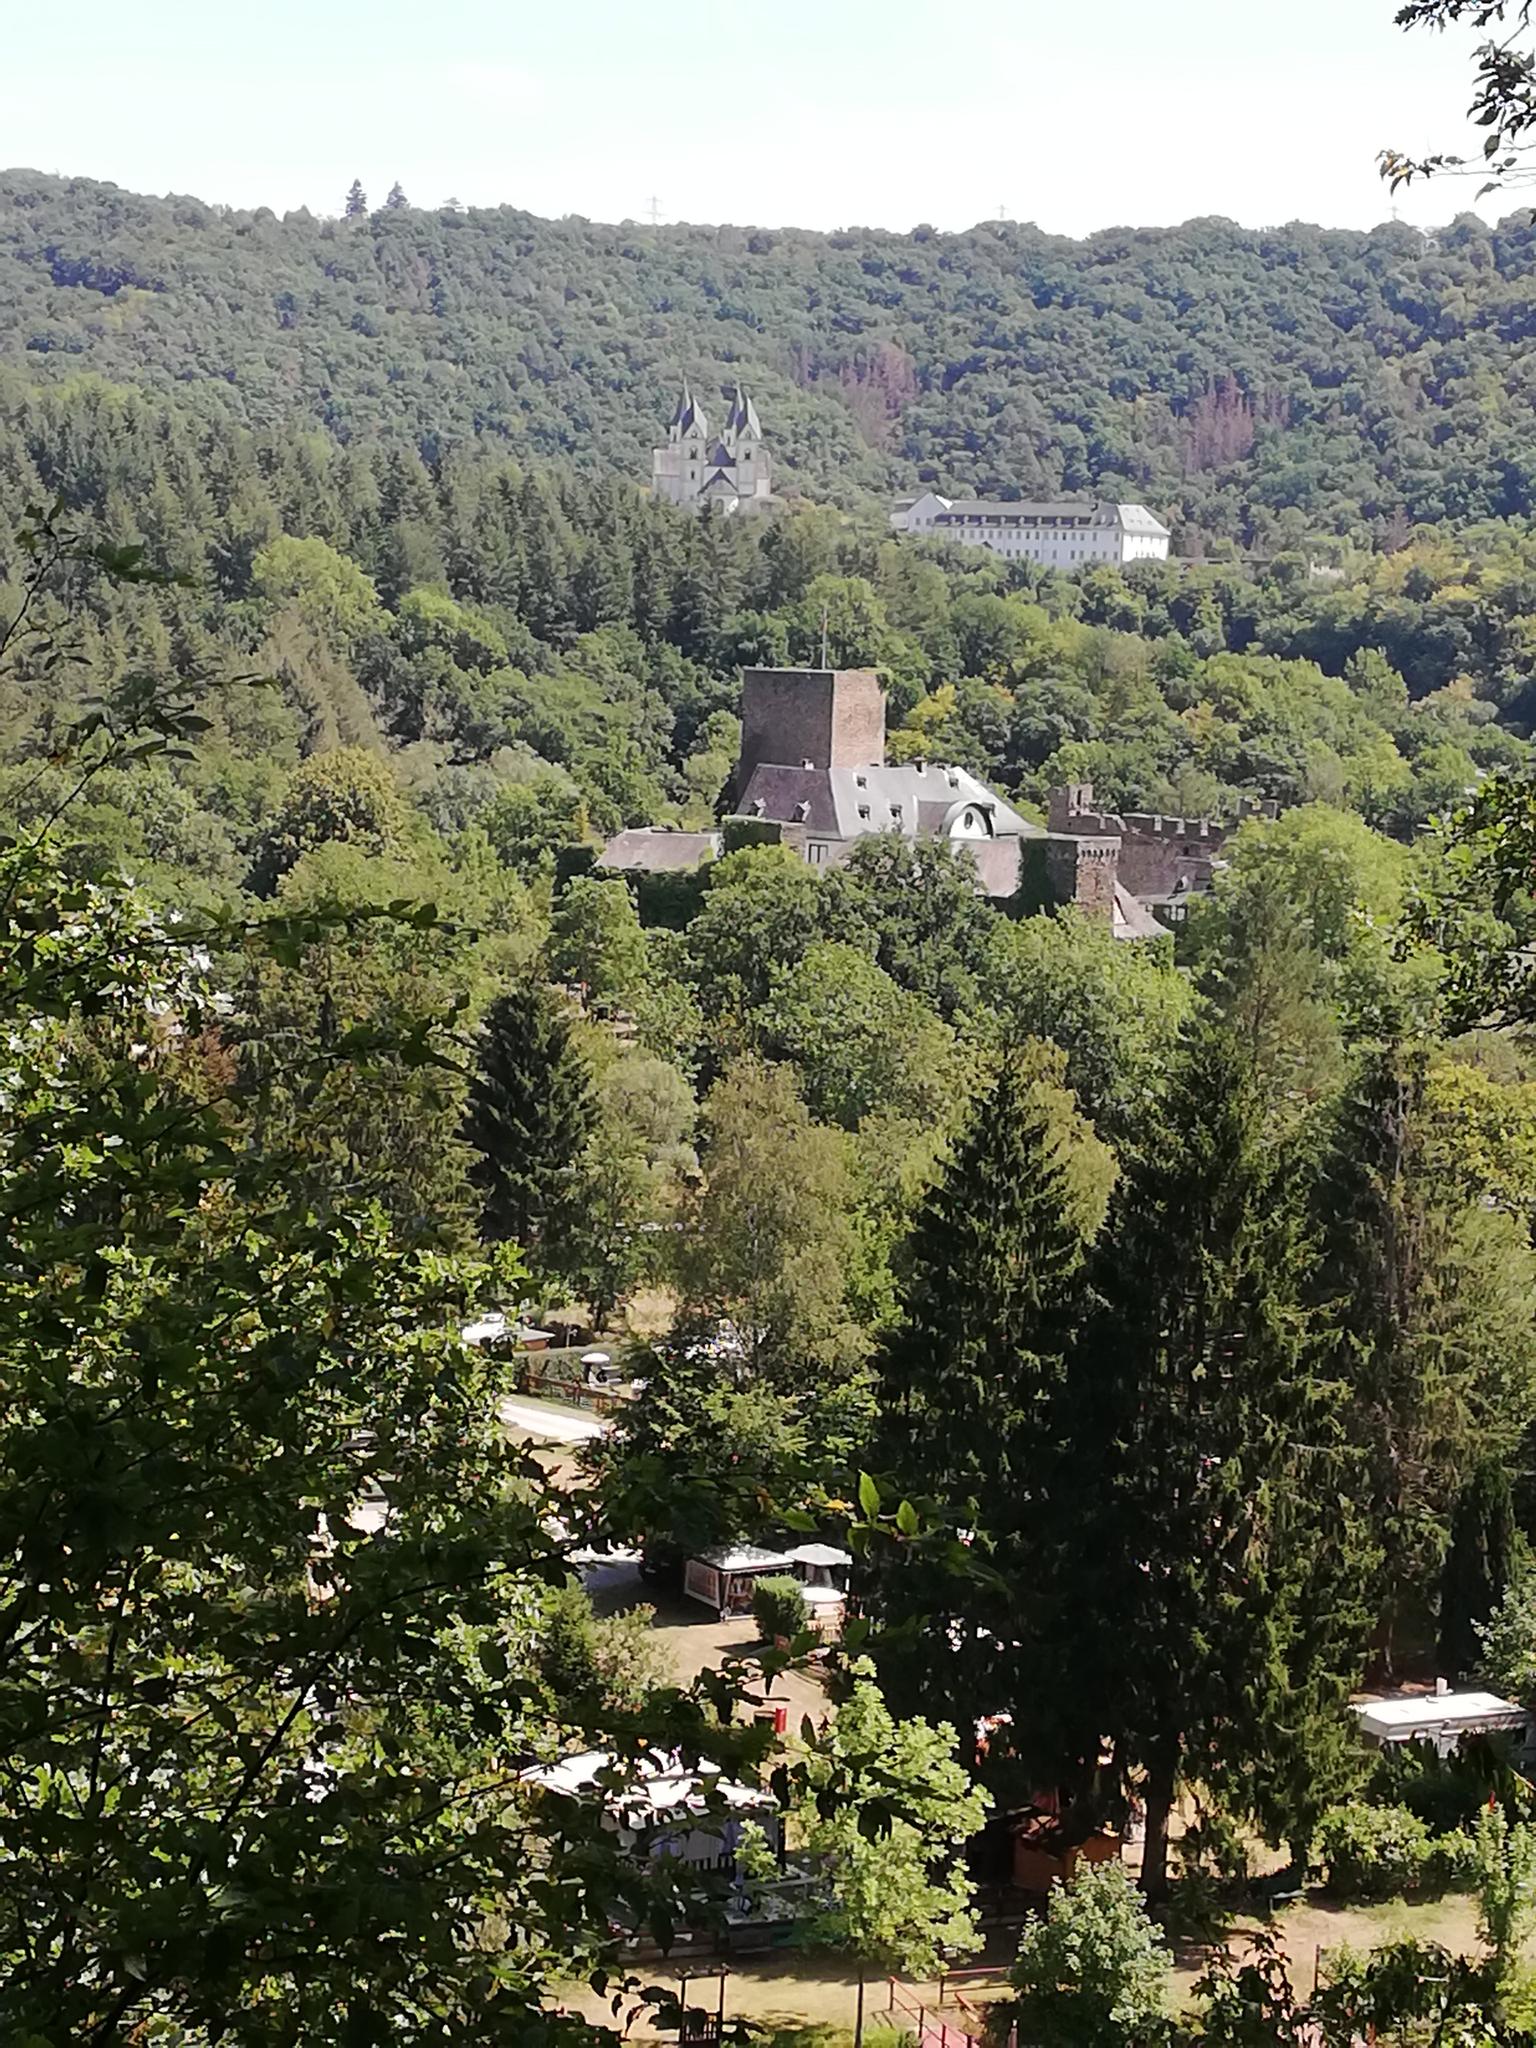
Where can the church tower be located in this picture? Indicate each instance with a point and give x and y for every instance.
(744, 437)
(678, 467)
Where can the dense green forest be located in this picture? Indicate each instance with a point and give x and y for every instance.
(1161, 1315)
(1254, 386)
(542, 659)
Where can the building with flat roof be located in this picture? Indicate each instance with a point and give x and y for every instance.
(1061, 533)
(1442, 1719)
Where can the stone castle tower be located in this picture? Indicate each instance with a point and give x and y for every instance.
(725, 472)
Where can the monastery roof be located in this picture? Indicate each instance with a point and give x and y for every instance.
(1428, 1713)
(1098, 512)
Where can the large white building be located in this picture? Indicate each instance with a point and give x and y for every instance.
(713, 472)
(1067, 533)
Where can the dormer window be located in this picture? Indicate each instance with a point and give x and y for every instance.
(896, 812)
(864, 812)
(861, 781)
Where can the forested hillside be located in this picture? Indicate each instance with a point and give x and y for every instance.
(1158, 1315)
(543, 660)
(1255, 386)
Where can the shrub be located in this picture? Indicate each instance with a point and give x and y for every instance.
(778, 1607)
(1449, 1792)
(1371, 1852)
(1452, 1865)
(1094, 1969)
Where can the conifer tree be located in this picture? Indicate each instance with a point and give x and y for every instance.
(357, 200)
(546, 540)
(1203, 1512)
(397, 196)
(1477, 1567)
(1431, 1297)
(965, 1385)
(532, 1108)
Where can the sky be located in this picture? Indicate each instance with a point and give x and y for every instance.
(1074, 114)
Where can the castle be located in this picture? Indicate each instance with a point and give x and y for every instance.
(812, 776)
(710, 472)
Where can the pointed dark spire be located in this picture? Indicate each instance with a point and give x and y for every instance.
(689, 418)
(742, 419)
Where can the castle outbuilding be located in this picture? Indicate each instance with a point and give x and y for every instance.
(728, 471)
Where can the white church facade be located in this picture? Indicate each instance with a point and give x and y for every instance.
(1064, 533)
(695, 466)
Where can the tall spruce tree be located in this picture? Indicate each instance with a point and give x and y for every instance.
(1477, 1567)
(1199, 1512)
(532, 1108)
(357, 200)
(966, 1381)
(1431, 1310)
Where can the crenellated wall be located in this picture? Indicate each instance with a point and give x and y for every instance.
(1157, 853)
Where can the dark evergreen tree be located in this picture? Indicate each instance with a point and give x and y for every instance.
(397, 196)
(546, 539)
(532, 1108)
(966, 1382)
(357, 200)
(1198, 1454)
(602, 588)
(1477, 1567)
(1430, 1293)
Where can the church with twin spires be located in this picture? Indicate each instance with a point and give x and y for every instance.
(728, 471)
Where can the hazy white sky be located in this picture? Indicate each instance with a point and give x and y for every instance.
(1078, 114)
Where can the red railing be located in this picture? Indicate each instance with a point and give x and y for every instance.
(933, 2027)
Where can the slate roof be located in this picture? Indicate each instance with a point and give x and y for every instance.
(913, 800)
(690, 417)
(1137, 519)
(650, 850)
(1080, 512)
(742, 418)
(1132, 919)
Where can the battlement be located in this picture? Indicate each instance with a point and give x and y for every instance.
(1072, 810)
(1157, 854)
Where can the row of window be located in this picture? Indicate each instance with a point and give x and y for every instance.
(1033, 521)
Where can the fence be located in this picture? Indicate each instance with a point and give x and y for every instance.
(934, 2027)
(560, 1376)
